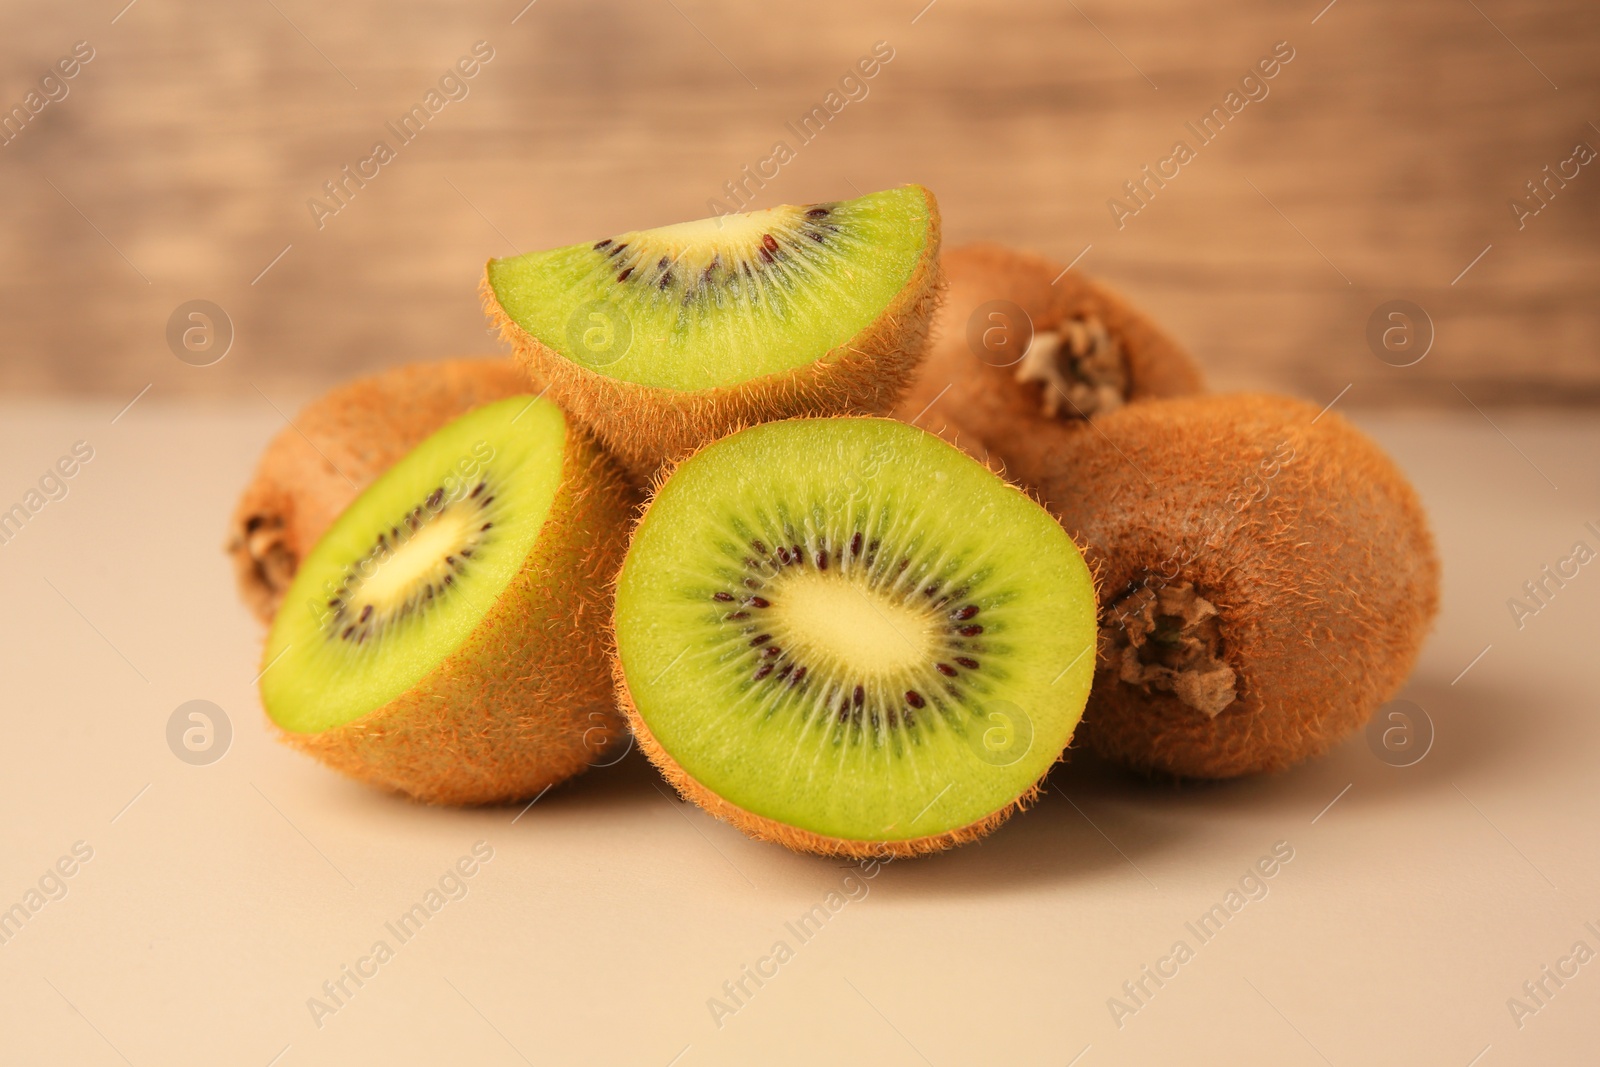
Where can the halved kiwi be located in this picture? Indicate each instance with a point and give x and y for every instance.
(338, 444)
(1268, 580)
(848, 637)
(445, 637)
(1026, 350)
(663, 340)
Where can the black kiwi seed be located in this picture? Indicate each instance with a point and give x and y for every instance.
(855, 545)
(435, 498)
(724, 597)
(914, 698)
(624, 275)
(601, 244)
(963, 614)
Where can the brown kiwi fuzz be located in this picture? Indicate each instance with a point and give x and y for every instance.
(1026, 350)
(337, 445)
(1267, 579)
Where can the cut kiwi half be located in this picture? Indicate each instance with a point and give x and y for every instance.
(335, 447)
(848, 637)
(663, 340)
(445, 637)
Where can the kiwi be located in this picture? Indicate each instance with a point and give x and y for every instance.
(446, 637)
(1267, 576)
(845, 636)
(1010, 383)
(337, 445)
(664, 340)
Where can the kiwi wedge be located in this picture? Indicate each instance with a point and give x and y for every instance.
(445, 637)
(1026, 350)
(848, 637)
(337, 445)
(663, 340)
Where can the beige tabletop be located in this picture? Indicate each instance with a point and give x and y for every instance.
(208, 903)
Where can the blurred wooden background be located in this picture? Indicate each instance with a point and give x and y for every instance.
(180, 162)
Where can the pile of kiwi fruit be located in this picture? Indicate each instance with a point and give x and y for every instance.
(845, 532)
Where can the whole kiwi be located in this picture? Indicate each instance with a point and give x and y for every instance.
(1076, 351)
(1266, 579)
(334, 448)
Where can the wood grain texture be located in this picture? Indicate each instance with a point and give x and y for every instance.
(1381, 162)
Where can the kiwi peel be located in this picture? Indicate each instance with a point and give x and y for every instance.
(337, 445)
(1269, 579)
(446, 637)
(844, 636)
(665, 340)
(1026, 350)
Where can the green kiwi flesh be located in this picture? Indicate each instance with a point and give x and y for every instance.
(847, 636)
(718, 302)
(404, 575)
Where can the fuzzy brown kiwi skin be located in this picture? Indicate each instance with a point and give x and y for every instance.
(526, 702)
(992, 407)
(1325, 587)
(760, 827)
(338, 444)
(644, 427)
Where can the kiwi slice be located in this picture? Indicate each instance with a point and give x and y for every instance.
(663, 340)
(848, 637)
(337, 445)
(445, 636)
(1026, 351)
